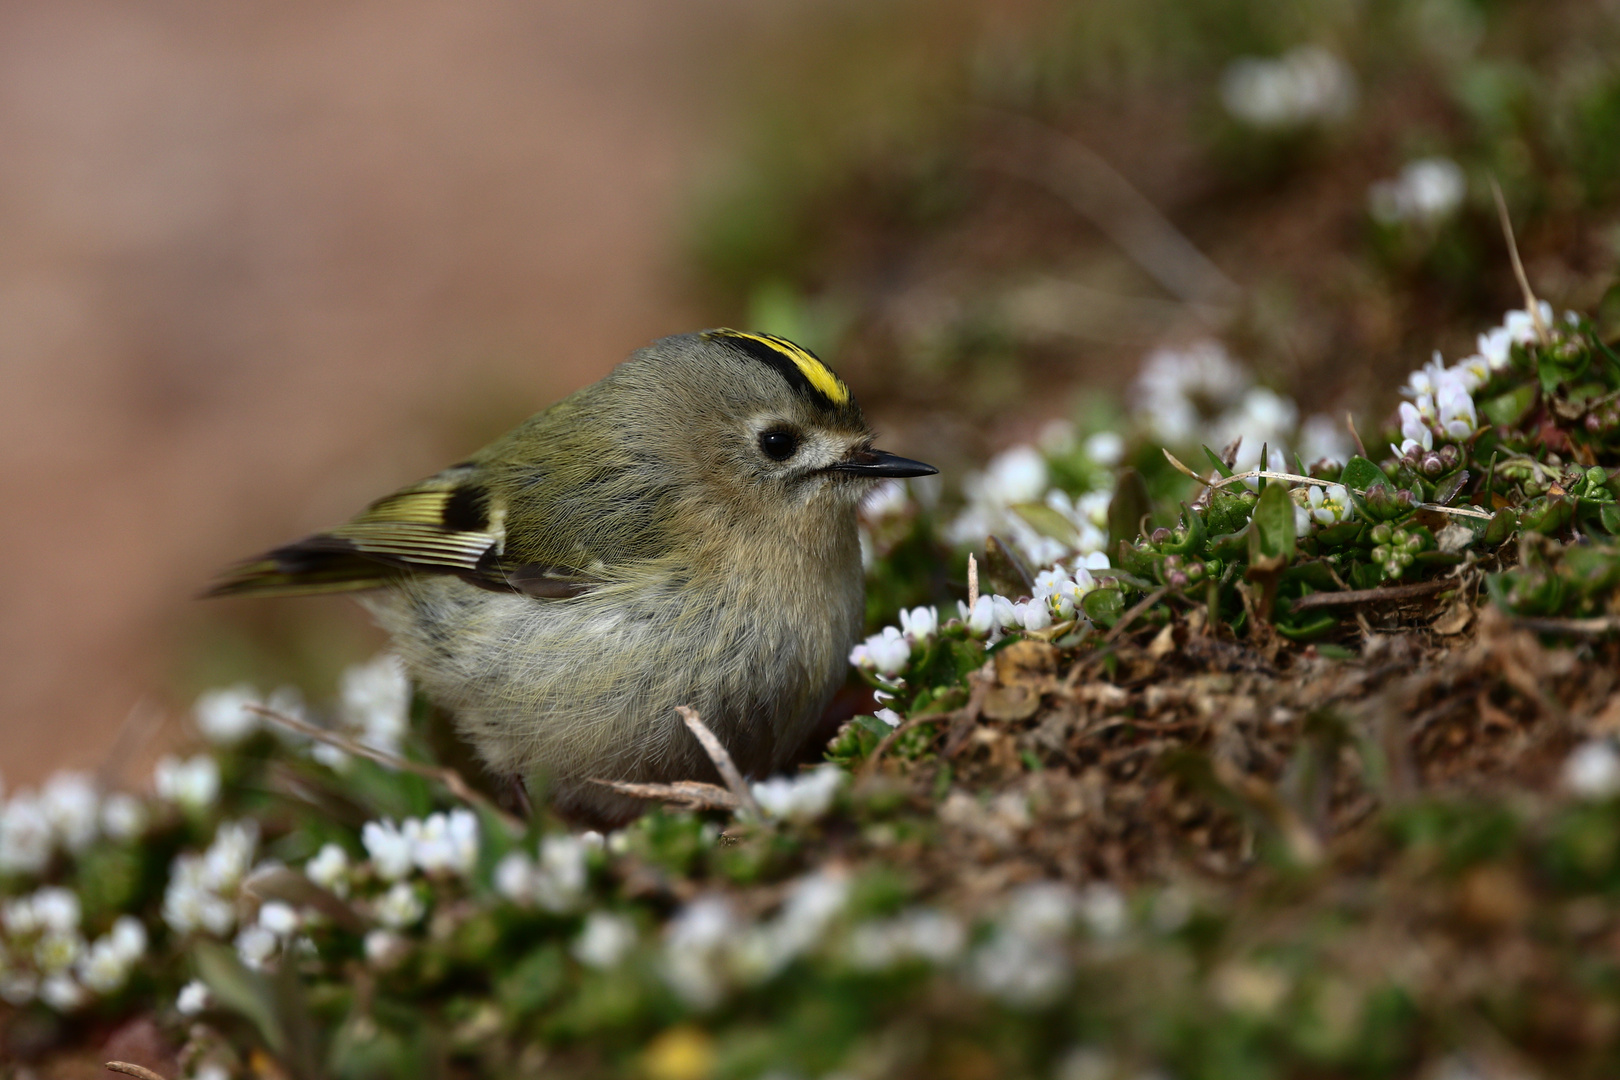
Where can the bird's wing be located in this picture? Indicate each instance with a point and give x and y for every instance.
(450, 523)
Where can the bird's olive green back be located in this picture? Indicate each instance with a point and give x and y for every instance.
(602, 479)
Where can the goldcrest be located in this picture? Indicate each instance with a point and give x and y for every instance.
(680, 533)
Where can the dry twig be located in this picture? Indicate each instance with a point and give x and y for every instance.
(1543, 332)
(691, 794)
(722, 760)
(1372, 596)
(129, 1068)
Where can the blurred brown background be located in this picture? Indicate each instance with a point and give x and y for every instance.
(261, 262)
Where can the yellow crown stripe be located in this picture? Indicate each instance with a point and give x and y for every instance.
(819, 374)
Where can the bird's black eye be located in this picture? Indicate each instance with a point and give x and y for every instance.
(778, 445)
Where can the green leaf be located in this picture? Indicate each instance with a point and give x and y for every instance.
(536, 980)
(1274, 536)
(1609, 515)
(1305, 630)
(239, 990)
(1048, 522)
(1359, 474)
(1214, 459)
(1103, 606)
(1228, 511)
(1502, 525)
(1507, 410)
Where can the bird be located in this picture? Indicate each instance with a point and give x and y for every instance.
(680, 533)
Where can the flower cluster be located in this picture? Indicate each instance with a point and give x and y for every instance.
(68, 814)
(556, 881)
(192, 783)
(888, 651)
(708, 948)
(804, 797)
(44, 955)
(440, 844)
(1426, 192)
(1305, 85)
(202, 890)
(1440, 406)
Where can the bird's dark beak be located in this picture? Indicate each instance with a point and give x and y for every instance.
(878, 463)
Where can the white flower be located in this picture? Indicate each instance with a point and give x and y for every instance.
(1305, 85)
(376, 702)
(70, 801)
(1106, 448)
(330, 869)
(399, 907)
(1017, 475)
(123, 816)
(1033, 615)
(919, 934)
(230, 856)
(1456, 410)
(808, 795)
(1521, 327)
(1018, 970)
(1426, 191)
(127, 937)
(888, 716)
(104, 967)
(561, 874)
(61, 993)
(225, 717)
(26, 839)
(1496, 347)
(1330, 505)
(919, 624)
(605, 941)
(1102, 909)
(193, 999)
(1043, 911)
(1096, 560)
(1415, 431)
(390, 850)
(1261, 417)
(55, 909)
(255, 945)
(211, 1070)
(1025, 962)
(514, 877)
(887, 652)
(981, 618)
(1592, 770)
(193, 783)
(1177, 388)
(280, 918)
(189, 904)
(1425, 381)
(329, 755)
(385, 949)
(693, 943)
(444, 843)
(814, 902)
